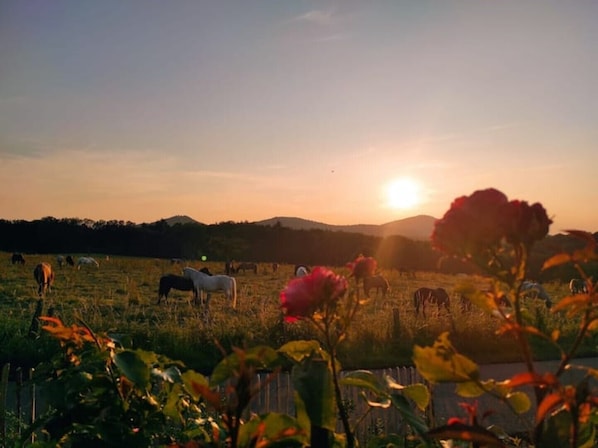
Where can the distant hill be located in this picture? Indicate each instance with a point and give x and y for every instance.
(416, 228)
(180, 219)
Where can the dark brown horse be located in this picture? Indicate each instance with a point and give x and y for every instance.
(246, 267)
(172, 281)
(44, 276)
(17, 258)
(424, 296)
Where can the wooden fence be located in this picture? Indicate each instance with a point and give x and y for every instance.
(20, 399)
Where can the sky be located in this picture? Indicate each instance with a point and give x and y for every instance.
(246, 110)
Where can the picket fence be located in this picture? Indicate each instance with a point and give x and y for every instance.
(21, 399)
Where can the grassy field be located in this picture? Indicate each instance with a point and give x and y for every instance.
(120, 298)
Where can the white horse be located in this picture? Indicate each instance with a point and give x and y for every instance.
(301, 270)
(211, 283)
(87, 261)
(578, 286)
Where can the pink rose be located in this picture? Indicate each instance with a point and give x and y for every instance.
(305, 295)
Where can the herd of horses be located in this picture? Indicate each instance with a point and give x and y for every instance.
(363, 269)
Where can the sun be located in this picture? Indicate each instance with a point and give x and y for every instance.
(403, 193)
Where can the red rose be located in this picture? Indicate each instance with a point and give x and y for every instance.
(526, 224)
(363, 267)
(305, 295)
(472, 225)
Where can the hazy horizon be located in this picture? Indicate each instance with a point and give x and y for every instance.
(335, 111)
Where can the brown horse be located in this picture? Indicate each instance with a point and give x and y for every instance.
(44, 276)
(378, 282)
(437, 296)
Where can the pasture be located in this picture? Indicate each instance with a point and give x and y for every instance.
(120, 298)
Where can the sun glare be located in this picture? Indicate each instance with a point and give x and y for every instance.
(403, 193)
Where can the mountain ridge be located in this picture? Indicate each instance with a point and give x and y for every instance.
(417, 227)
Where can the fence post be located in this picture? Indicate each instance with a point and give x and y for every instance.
(3, 393)
(34, 327)
(19, 388)
(33, 405)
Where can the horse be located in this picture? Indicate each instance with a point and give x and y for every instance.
(534, 290)
(439, 296)
(44, 276)
(229, 267)
(301, 270)
(87, 261)
(69, 260)
(578, 286)
(207, 283)
(60, 260)
(378, 282)
(205, 270)
(172, 281)
(17, 258)
(246, 267)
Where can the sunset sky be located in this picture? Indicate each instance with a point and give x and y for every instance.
(246, 110)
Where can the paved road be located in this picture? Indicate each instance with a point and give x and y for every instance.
(446, 401)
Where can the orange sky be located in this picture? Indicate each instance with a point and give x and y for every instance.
(138, 111)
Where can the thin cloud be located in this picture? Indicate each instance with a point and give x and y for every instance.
(316, 16)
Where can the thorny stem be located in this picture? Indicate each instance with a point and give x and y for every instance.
(337, 391)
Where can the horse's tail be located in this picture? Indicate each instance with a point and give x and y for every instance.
(234, 291)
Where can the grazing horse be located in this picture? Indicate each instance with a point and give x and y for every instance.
(60, 260)
(301, 270)
(378, 282)
(361, 268)
(87, 261)
(205, 270)
(209, 284)
(423, 296)
(229, 267)
(172, 281)
(535, 290)
(44, 276)
(578, 286)
(69, 260)
(246, 267)
(17, 258)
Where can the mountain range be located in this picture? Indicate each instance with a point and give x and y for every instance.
(416, 228)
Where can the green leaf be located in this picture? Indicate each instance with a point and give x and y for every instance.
(297, 351)
(171, 408)
(419, 394)
(171, 374)
(364, 379)
(133, 367)
(312, 380)
(469, 389)
(406, 411)
(258, 357)
(191, 379)
(441, 363)
(520, 402)
(280, 430)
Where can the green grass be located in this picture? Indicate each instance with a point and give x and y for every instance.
(120, 298)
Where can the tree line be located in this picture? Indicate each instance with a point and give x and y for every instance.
(244, 241)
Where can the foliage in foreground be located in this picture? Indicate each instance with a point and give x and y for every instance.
(104, 394)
